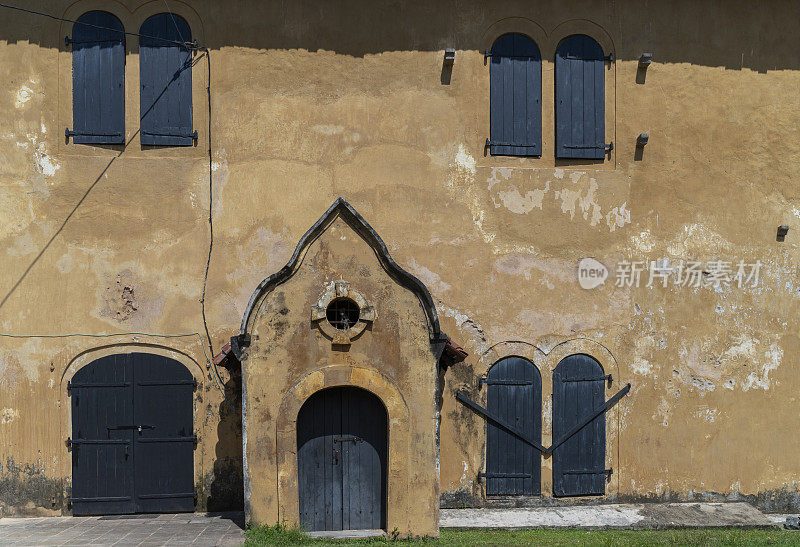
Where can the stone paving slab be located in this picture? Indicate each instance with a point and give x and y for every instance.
(224, 529)
(653, 516)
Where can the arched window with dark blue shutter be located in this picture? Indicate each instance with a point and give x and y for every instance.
(165, 68)
(98, 79)
(580, 98)
(515, 74)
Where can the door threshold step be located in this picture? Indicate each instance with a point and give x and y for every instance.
(347, 534)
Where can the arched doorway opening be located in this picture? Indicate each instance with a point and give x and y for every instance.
(132, 436)
(342, 454)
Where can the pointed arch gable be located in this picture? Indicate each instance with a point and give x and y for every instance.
(342, 209)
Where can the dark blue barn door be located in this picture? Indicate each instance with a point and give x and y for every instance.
(132, 438)
(580, 99)
(342, 448)
(579, 463)
(514, 394)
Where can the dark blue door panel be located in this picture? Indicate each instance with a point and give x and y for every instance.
(580, 98)
(165, 70)
(98, 79)
(342, 449)
(132, 436)
(514, 394)
(579, 463)
(515, 79)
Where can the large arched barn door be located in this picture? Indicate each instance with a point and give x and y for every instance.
(342, 447)
(513, 466)
(579, 462)
(132, 436)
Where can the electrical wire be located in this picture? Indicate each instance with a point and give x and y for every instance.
(112, 334)
(189, 45)
(195, 47)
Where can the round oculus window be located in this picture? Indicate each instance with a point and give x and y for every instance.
(342, 313)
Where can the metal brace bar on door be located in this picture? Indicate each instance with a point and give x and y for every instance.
(580, 425)
(591, 416)
(496, 419)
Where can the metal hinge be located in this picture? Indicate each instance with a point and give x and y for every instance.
(68, 134)
(483, 475)
(490, 143)
(488, 53)
(608, 147)
(193, 135)
(607, 472)
(608, 378)
(484, 381)
(69, 41)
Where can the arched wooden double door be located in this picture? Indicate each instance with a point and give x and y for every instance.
(132, 436)
(342, 448)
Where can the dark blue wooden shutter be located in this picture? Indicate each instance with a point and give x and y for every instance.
(98, 80)
(514, 394)
(579, 463)
(166, 82)
(580, 99)
(515, 74)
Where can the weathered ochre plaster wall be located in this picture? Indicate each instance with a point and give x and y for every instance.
(291, 358)
(311, 101)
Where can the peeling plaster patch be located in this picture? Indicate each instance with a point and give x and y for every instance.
(708, 415)
(642, 242)
(328, 129)
(431, 279)
(504, 172)
(464, 481)
(547, 413)
(729, 384)
(703, 385)
(761, 380)
(64, 264)
(22, 245)
(8, 415)
(523, 264)
(26, 359)
(521, 205)
(571, 200)
(464, 160)
(663, 412)
(23, 96)
(466, 325)
(44, 163)
(463, 181)
(641, 366)
(697, 236)
(618, 217)
(558, 173)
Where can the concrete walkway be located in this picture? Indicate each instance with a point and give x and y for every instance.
(226, 529)
(177, 529)
(655, 516)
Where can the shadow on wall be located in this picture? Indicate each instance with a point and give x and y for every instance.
(735, 34)
(226, 483)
